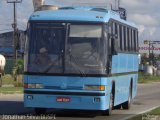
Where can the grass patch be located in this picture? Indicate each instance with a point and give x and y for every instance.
(9, 86)
(8, 80)
(11, 90)
(150, 115)
(143, 78)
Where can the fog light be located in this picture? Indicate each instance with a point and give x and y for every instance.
(97, 99)
(30, 97)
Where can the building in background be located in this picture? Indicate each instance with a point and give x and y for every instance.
(7, 45)
(144, 49)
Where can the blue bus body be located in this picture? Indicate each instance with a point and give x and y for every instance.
(123, 72)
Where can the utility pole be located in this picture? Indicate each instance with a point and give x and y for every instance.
(14, 25)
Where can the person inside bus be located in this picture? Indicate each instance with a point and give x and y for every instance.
(44, 60)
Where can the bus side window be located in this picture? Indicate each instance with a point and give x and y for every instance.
(112, 32)
(116, 34)
(135, 43)
(116, 30)
(132, 40)
(124, 37)
(123, 47)
(109, 41)
(128, 39)
(120, 37)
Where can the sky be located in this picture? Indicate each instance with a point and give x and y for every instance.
(144, 13)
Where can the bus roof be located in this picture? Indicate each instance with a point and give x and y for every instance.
(88, 14)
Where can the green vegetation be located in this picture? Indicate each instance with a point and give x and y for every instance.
(12, 82)
(156, 111)
(17, 69)
(148, 78)
(8, 80)
(152, 114)
(11, 90)
(10, 86)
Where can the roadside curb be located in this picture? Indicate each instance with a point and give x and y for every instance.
(140, 113)
(148, 83)
(10, 93)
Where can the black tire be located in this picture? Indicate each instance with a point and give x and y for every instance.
(118, 107)
(108, 112)
(39, 111)
(126, 105)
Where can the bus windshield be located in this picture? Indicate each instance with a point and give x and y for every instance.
(55, 48)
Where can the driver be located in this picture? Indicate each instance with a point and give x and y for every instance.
(43, 56)
(44, 60)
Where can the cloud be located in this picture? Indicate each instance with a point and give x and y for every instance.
(152, 31)
(145, 13)
(24, 10)
(141, 29)
(144, 19)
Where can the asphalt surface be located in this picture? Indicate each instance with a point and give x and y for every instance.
(148, 98)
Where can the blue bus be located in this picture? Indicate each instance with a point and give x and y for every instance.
(80, 58)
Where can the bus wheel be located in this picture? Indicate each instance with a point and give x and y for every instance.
(126, 105)
(40, 111)
(118, 107)
(109, 111)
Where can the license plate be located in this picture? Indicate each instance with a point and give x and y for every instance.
(63, 99)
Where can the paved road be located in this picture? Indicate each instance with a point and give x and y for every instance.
(148, 98)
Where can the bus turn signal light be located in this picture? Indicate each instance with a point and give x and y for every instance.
(102, 88)
(95, 87)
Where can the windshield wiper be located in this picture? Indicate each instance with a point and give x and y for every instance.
(77, 68)
(71, 56)
(51, 65)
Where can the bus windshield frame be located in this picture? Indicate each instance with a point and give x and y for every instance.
(72, 48)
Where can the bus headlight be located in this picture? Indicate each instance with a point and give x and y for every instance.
(39, 86)
(95, 87)
(32, 86)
